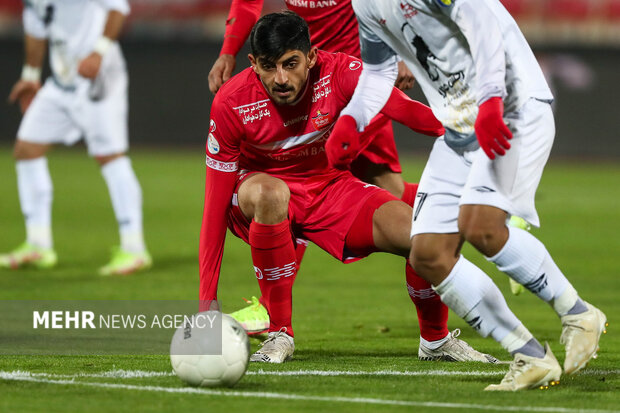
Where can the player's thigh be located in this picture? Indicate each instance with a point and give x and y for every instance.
(391, 226)
(436, 206)
(510, 182)
(105, 119)
(46, 121)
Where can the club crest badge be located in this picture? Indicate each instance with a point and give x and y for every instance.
(320, 121)
(354, 65)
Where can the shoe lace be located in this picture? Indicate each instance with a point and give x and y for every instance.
(273, 341)
(254, 303)
(568, 332)
(453, 341)
(516, 369)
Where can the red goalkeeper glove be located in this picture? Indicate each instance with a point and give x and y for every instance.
(343, 144)
(491, 131)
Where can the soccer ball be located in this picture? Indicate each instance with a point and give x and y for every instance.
(210, 349)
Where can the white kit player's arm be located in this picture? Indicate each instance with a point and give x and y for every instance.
(117, 10)
(486, 44)
(378, 74)
(35, 45)
(481, 29)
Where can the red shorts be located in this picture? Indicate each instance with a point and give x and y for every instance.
(381, 149)
(321, 209)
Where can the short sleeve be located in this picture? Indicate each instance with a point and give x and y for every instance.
(33, 25)
(373, 49)
(121, 6)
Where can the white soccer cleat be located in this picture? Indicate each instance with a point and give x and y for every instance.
(278, 348)
(580, 336)
(454, 350)
(528, 372)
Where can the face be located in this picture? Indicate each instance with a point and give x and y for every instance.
(285, 78)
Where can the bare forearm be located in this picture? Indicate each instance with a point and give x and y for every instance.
(34, 49)
(114, 24)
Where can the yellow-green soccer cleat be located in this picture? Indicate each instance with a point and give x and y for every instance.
(125, 263)
(29, 255)
(528, 372)
(253, 318)
(517, 222)
(580, 335)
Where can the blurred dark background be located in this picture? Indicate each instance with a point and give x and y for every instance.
(170, 46)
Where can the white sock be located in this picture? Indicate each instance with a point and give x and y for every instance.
(526, 260)
(34, 185)
(126, 196)
(434, 345)
(471, 294)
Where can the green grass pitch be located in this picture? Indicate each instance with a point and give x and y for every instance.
(351, 321)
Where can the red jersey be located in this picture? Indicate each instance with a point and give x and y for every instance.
(248, 128)
(332, 24)
(249, 131)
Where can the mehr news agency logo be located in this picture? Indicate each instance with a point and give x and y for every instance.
(52, 320)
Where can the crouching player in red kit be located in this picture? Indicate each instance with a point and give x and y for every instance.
(333, 28)
(269, 180)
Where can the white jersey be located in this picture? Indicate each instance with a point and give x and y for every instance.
(72, 28)
(461, 52)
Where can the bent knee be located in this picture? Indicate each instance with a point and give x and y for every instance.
(486, 237)
(104, 159)
(434, 255)
(274, 193)
(24, 150)
(264, 199)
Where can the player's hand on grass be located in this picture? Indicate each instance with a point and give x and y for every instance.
(221, 71)
(405, 79)
(23, 92)
(343, 144)
(90, 65)
(491, 131)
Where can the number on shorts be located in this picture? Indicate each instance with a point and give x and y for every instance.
(419, 203)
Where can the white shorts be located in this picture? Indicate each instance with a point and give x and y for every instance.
(95, 111)
(509, 182)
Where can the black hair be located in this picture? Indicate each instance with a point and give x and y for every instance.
(276, 33)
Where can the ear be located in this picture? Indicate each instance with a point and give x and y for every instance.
(312, 56)
(253, 62)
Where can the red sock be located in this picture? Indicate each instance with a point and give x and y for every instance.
(273, 255)
(409, 193)
(432, 313)
(300, 249)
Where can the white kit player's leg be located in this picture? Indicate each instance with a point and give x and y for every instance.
(35, 195)
(471, 294)
(34, 185)
(526, 260)
(126, 196)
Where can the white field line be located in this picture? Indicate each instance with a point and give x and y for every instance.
(285, 396)
(131, 374)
